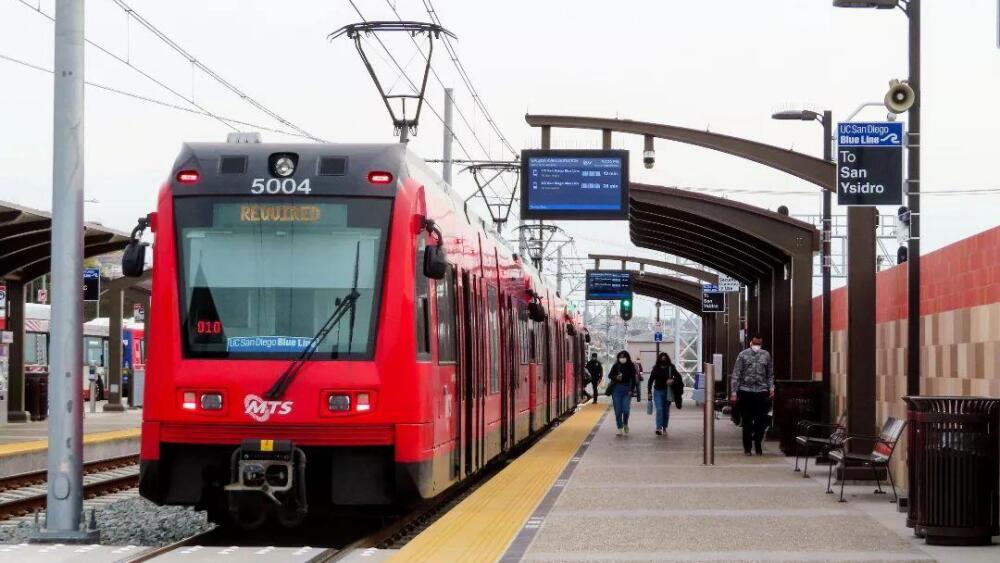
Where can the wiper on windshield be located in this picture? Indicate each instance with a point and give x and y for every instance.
(346, 304)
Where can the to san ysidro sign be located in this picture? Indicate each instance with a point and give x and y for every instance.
(870, 163)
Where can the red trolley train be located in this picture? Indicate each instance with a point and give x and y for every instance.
(330, 329)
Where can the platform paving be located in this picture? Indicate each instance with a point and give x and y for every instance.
(644, 497)
(93, 423)
(24, 446)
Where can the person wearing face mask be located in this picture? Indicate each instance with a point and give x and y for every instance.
(751, 388)
(665, 385)
(595, 371)
(623, 377)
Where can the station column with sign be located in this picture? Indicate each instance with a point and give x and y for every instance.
(870, 163)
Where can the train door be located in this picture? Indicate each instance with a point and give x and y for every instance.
(482, 372)
(547, 369)
(509, 384)
(505, 377)
(467, 372)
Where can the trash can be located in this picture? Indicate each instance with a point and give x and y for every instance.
(794, 401)
(954, 469)
(36, 395)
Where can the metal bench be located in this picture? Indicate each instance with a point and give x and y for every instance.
(882, 448)
(812, 435)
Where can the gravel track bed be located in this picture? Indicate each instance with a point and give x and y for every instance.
(127, 521)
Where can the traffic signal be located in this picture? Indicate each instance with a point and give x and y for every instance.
(625, 309)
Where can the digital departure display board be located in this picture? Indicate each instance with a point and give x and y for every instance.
(609, 285)
(574, 184)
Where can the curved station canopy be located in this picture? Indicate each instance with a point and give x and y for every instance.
(25, 242)
(768, 252)
(25, 254)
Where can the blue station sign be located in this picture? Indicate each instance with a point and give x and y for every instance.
(609, 285)
(870, 163)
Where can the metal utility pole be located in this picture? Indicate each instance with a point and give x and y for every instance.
(913, 202)
(659, 329)
(65, 454)
(827, 266)
(449, 135)
(559, 273)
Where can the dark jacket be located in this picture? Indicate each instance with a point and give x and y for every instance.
(626, 373)
(596, 370)
(658, 380)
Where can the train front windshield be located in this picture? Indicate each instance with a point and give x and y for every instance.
(258, 279)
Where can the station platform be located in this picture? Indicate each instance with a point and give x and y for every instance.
(584, 494)
(24, 446)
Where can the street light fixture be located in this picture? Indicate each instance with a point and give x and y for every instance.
(826, 119)
(880, 4)
(912, 10)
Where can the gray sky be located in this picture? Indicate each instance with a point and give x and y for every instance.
(724, 65)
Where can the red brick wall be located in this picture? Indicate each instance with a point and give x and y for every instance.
(959, 276)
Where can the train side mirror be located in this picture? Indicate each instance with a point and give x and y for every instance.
(134, 256)
(435, 258)
(536, 312)
(134, 259)
(435, 262)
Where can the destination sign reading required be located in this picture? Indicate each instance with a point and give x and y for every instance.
(870, 163)
(574, 184)
(713, 300)
(609, 285)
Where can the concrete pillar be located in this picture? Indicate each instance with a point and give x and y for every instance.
(15, 323)
(115, 299)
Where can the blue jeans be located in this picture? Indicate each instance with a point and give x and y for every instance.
(662, 407)
(621, 399)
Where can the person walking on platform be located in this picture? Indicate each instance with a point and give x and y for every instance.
(665, 386)
(596, 371)
(751, 388)
(621, 379)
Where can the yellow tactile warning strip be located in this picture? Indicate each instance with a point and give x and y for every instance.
(482, 526)
(20, 448)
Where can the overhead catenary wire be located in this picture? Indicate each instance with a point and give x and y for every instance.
(208, 71)
(458, 108)
(433, 13)
(154, 100)
(402, 70)
(201, 109)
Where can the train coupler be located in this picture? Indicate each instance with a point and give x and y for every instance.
(267, 469)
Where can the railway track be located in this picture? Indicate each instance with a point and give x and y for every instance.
(24, 494)
(206, 545)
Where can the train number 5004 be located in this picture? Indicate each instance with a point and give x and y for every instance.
(273, 186)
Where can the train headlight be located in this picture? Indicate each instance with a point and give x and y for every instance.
(188, 402)
(339, 403)
(283, 166)
(211, 401)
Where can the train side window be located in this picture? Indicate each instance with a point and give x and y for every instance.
(422, 299)
(523, 334)
(532, 343)
(493, 302)
(446, 321)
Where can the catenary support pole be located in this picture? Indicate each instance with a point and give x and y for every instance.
(65, 479)
(825, 267)
(449, 135)
(913, 202)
